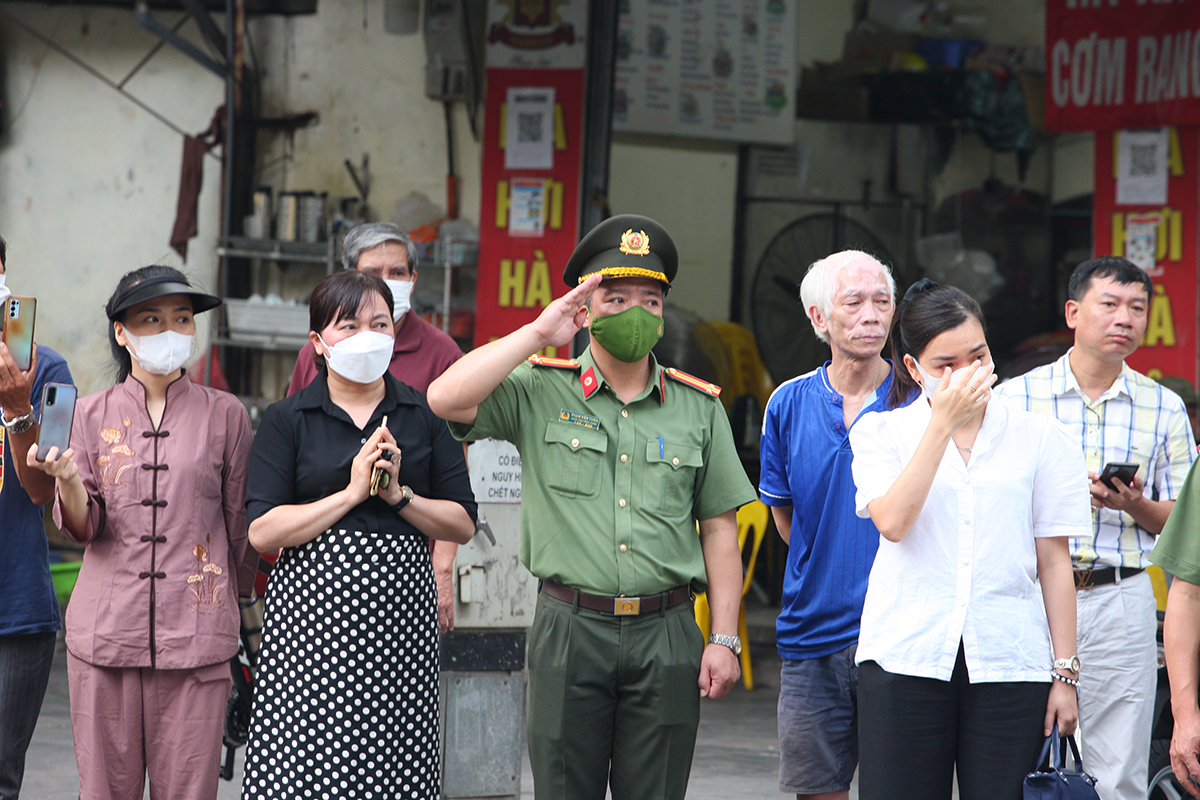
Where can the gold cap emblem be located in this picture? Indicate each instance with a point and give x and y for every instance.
(635, 244)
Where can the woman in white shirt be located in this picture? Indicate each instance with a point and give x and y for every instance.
(970, 610)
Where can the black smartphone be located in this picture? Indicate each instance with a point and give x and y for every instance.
(58, 412)
(1119, 470)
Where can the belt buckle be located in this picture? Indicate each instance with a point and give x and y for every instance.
(1083, 578)
(627, 606)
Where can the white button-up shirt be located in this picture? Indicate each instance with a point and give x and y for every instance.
(967, 570)
(1137, 421)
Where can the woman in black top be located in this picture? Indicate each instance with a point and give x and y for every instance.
(346, 698)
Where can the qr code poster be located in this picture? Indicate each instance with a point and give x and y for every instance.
(1142, 167)
(529, 129)
(1141, 241)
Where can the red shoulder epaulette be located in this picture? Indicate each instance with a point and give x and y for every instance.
(710, 389)
(547, 361)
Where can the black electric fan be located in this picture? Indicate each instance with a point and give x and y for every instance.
(786, 340)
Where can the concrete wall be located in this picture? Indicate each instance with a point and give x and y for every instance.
(90, 180)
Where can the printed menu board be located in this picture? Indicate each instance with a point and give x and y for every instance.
(717, 69)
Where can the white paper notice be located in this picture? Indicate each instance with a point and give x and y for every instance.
(717, 69)
(527, 207)
(1141, 240)
(495, 471)
(1142, 167)
(529, 129)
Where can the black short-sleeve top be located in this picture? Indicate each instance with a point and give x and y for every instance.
(305, 445)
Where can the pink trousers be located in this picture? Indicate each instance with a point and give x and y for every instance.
(131, 722)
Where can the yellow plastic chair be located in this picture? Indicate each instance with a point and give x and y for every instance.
(752, 521)
(1158, 580)
(734, 353)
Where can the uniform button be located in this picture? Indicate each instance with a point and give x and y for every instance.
(364, 441)
(675, 461)
(574, 443)
(624, 458)
(624, 413)
(623, 548)
(621, 502)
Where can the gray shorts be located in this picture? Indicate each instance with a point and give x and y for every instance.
(818, 723)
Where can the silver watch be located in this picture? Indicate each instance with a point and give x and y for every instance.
(734, 643)
(1070, 664)
(18, 424)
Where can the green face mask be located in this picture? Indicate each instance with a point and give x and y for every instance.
(629, 335)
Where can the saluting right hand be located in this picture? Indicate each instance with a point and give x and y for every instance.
(564, 317)
(954, 403)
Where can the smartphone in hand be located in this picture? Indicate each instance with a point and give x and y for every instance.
(1123, 472)
(18, 314)
(58, 412)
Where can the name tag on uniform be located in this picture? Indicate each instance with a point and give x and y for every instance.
(582, 420)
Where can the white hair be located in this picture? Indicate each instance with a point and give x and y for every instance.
(820, 282)
(362, 238)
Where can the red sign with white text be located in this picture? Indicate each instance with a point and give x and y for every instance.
(1168, 235)
(1113, 64)
(529, 217)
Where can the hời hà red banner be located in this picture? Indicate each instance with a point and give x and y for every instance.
(1114, 64)
(532, 157)
(1161, 236)
(529, 217)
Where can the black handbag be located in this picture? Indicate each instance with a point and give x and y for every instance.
(1051, 780)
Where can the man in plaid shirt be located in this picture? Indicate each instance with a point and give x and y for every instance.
(1118, 415)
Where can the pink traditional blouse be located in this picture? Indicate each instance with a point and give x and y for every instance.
(166, 528)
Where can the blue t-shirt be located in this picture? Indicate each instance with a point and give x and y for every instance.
(805, 457)
(27, 600)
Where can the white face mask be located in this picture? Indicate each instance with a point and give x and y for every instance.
(4, 290)
(160, 353)
(401, 298)
(361, 358)
(931, 383)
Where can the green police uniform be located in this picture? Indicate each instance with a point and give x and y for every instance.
(610, 494)
(1177, 549)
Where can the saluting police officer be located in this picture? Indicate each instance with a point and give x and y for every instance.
(620, 458)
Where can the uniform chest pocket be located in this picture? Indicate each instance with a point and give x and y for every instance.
(574, 459)
(671, 475)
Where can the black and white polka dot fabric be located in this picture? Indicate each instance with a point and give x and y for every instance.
(346, 688)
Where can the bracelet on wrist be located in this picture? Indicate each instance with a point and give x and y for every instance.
(1064, 679)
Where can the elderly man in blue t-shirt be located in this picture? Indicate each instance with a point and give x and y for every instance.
(849, 298)
(29, 617)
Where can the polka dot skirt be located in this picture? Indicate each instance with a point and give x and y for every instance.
(346, 690)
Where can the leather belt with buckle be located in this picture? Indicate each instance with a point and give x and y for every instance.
(618, 606)
(1089, 578)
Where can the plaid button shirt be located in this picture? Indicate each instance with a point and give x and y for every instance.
(1136, 421)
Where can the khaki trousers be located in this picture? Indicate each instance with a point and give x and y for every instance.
(129, 722)
(1117, 681)
(612, 700)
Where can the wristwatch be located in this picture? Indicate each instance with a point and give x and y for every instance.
(734, 643)
(18, 424)
(406, 497)
(1070, 664)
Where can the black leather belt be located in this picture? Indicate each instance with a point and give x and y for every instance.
(618, 606)
(1088, 578)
